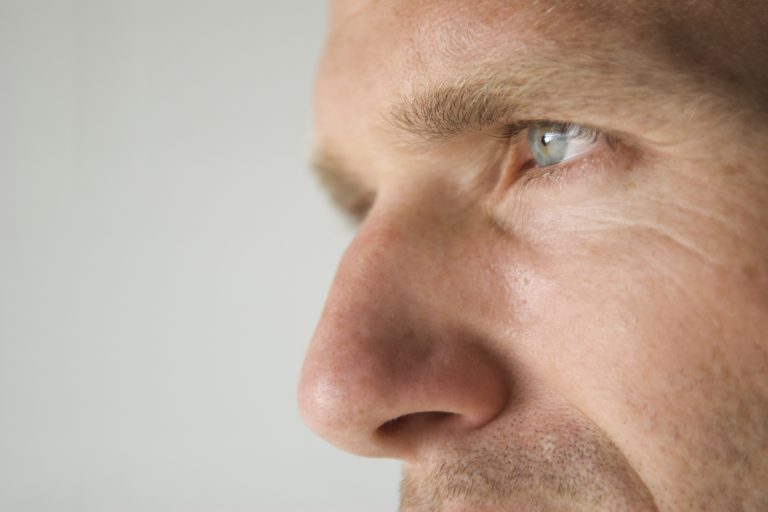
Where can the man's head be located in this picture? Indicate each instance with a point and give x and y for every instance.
(558, 295)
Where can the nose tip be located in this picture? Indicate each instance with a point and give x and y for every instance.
(332, 408)
(388, 403)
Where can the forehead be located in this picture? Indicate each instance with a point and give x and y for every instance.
(394, 43)
(399, 39)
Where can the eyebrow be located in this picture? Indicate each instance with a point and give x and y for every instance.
(440, 111)
(346, 192)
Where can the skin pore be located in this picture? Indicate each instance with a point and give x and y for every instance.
(586, 335)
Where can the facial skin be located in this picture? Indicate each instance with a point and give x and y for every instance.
(591, 335)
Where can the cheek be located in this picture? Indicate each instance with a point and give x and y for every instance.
(652, 340)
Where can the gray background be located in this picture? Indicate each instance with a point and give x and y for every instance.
(164, 257)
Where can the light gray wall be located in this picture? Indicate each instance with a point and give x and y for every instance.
(164, 254)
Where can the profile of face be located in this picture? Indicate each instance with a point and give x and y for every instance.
(557, 296)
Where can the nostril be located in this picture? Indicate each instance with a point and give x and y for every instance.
(410, 424)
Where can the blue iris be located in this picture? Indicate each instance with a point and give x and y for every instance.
(554, 143)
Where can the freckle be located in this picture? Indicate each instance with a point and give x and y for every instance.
(732, 169)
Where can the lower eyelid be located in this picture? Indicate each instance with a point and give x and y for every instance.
(522, 172)
(524, 192)
(585, 162)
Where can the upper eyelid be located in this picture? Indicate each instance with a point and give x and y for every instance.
(511, 132)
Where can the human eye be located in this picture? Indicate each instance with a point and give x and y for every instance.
(540, 150)
(552, 143)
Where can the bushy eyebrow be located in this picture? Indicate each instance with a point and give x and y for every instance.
(440, 111)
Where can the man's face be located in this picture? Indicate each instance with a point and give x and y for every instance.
(557, 298)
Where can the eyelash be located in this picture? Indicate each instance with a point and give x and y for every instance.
(528, 173)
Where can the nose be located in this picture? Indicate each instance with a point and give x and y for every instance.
(389, 368)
